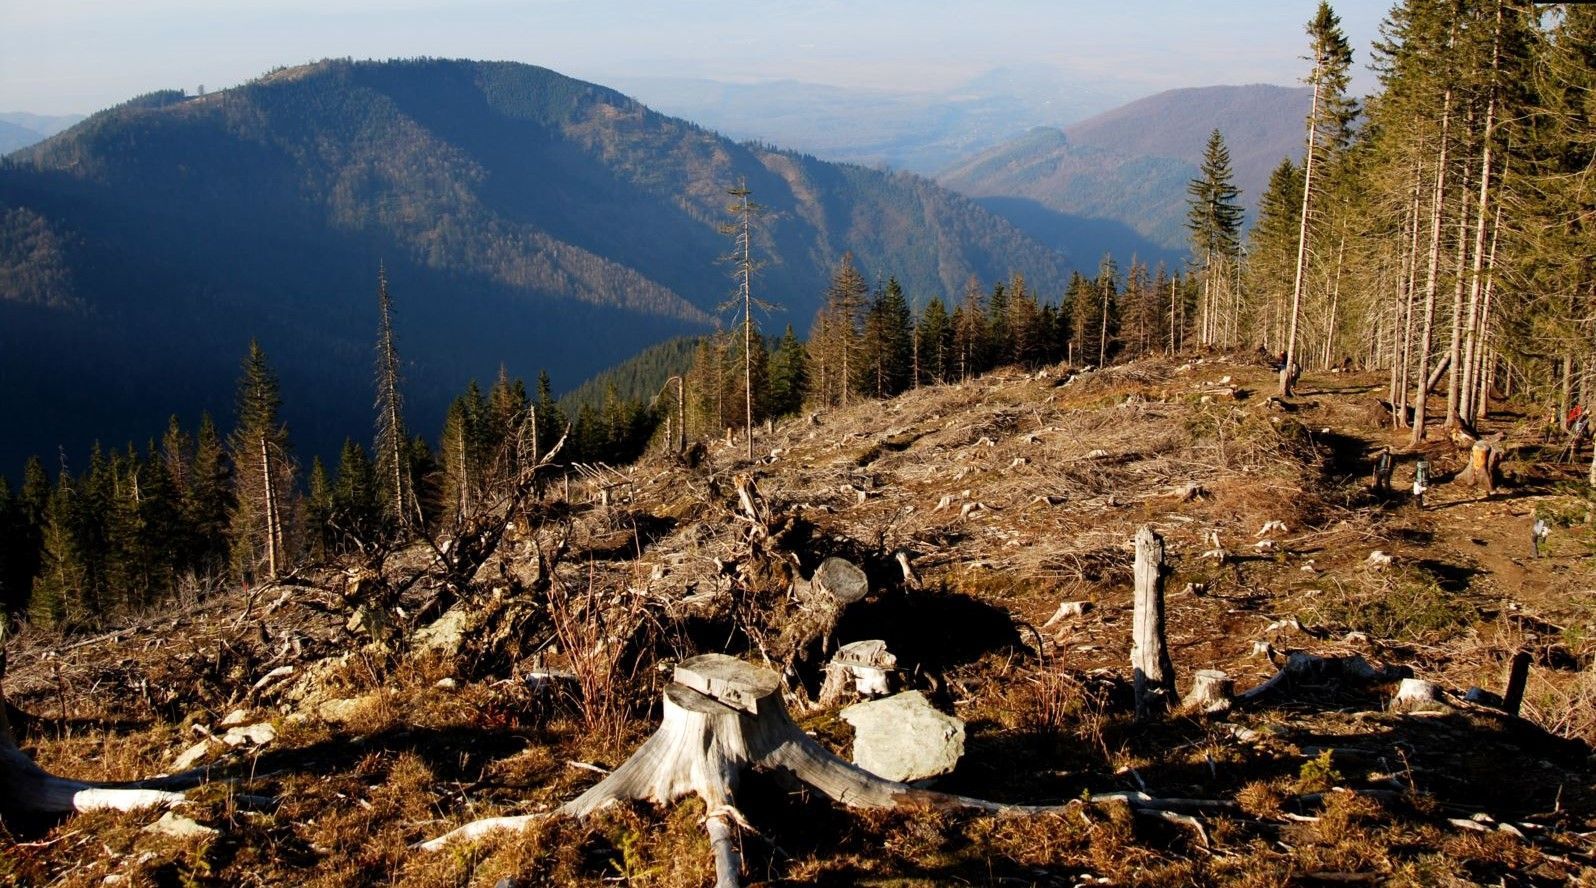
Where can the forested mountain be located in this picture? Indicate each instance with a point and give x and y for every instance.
(1118, 180)
(19, 129)
(525, 219)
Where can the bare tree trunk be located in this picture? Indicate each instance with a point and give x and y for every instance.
(1302, 233)
(1335, 298)
(272, 538)
(1426, 338)
(1153, 672)
(1454, 349)
(1483, 380)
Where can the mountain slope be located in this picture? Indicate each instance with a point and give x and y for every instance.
(1131, 165)
(524, 217)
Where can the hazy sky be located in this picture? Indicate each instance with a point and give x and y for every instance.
(77, 56)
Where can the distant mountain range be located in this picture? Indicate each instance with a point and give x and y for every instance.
(19, 129)
(921, 132)
(1117, 182)
(524, 217)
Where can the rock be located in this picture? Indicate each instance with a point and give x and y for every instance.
(235, 718)
(904, 738)
(253, 735)
(445, 635)
(842, 580)
(446, 684)
(179, 827)
(191, 756)
(341, 710)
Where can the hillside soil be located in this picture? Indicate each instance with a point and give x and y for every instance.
(1007, 495)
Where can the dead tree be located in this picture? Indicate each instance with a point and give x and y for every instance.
(1154, 674)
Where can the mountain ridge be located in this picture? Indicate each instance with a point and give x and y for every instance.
(525, 218)
(1130, 165)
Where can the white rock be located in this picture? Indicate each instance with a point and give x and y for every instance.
(179, 827)
(445, 635)
(191, 756)
(341, 710)
(235, 718)
(253, 735)
(904, 738)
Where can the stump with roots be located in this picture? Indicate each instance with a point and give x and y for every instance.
(29, 791)
(722, 717)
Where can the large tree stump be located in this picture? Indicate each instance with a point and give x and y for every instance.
(28, 790)
(1153, 673)
(1483, 470)
(704, 744)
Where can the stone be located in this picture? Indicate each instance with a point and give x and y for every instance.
(252, 735)
(179, 827)
(235, 718)
(341, 710)
(445, 635)
(191, 756)
(904, 738)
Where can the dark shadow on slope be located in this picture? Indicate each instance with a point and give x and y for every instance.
(1083, 240)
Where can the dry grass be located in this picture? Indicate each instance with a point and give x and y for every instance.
(1043, 726)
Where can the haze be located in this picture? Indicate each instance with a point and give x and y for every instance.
(77, 56)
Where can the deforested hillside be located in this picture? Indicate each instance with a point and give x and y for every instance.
(525, 218)
(965, 551)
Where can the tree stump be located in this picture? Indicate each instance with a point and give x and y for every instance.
(1517, 678)
(1484, 466)
(704, 744)
(1212, 691)
(1150, 665)
(28, 790)
(858, 668)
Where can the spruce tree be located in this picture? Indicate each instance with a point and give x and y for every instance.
(1271, 256)
(885, 344)
(970, 332)
(356, 502)
(789, 375)
(264, 486)
(1213, 217)
(207, 502)
(936, 342)
(460, 451)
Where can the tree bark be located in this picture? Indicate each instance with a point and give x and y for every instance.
(1431, 281)
(1153, 674)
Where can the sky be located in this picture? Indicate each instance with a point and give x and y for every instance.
(78, 56)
